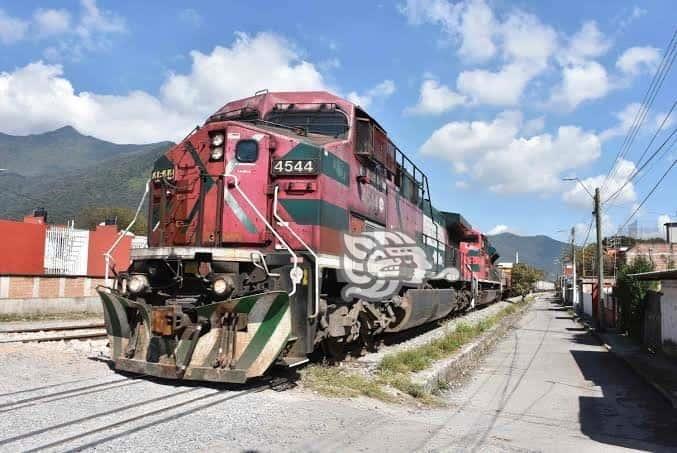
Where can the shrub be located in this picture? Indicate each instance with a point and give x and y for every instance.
(630, 293)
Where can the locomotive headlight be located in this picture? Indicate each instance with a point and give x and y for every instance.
(137, 284)
(220, 286)
(217, 153)
(217, 140)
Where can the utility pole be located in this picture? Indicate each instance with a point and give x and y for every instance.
(573, 254)
(600, 262)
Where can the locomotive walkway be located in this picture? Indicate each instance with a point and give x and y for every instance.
(547, 386)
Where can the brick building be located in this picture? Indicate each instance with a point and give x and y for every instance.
(56, 268)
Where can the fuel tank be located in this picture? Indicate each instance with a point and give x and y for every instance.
(421, 306)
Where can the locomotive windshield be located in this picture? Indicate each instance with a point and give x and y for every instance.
(325, 122)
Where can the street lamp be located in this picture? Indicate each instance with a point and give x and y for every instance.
(575, 178)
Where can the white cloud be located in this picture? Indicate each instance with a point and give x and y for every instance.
(638, 59)
(526, 38)
(626, 118)
(588, 43)
(462, 184)
(459, 140)
(380, 91)
(12, 29)
(264, 61)
(581, 82)
(535, 164)
(476, 30)
(635, 14)
(470, 22)
(577, 196)
(495, 153)
(37, 97)
(95, 20)
(90, 32)
(436, 99)
(52, 21)
(583, 78)
(522, 41)
(504, 87)
(533, 126)
(498, 229)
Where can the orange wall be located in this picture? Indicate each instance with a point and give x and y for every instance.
(100, 240)
(22, 248)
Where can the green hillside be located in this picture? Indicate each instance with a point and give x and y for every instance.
(540, 251)
(59, 151)
(113, 179)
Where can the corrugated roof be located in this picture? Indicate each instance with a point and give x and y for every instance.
(656, 275)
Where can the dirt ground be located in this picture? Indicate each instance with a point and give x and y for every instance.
(547, 386)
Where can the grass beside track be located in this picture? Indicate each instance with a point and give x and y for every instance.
(392, 379)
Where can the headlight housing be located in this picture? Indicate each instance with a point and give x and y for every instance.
(137, 284)
(217, 153)
(217, 140)
(222, 285)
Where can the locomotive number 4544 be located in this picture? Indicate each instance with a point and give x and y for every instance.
(294, 167)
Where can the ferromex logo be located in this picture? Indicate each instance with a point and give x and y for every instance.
(377, 264)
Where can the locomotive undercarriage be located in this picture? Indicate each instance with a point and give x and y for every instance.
(205, 319)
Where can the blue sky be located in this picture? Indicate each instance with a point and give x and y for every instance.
(496, 100)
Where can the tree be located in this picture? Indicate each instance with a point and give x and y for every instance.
(630, 293)
(90, 217)
(524, 277)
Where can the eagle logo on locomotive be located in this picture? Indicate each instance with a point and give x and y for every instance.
(377, 264)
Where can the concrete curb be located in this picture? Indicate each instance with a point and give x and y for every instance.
(467, 358)
(639, 370)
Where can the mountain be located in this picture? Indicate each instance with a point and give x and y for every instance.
(102, 174)
(59, 151)
(539, 251)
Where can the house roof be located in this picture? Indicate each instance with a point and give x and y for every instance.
(656, 275)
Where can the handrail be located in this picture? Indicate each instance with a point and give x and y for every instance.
(303, 243)
(293, 274)
(108, 255)
(474, 285)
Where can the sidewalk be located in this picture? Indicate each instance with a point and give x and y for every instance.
(655, 369)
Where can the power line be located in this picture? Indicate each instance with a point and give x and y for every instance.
(658, 131)
(665, 152)
(653, 189)
(645, 106)
(587, 235)
(638, 170)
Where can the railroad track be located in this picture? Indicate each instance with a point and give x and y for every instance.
(41, 334)
(102, 425)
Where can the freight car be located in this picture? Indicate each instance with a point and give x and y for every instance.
(252, 220)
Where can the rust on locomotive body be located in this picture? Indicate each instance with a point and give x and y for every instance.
(246, 223)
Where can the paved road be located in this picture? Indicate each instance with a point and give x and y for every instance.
(548, 386)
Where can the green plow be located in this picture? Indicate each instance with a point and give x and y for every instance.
(228, 341)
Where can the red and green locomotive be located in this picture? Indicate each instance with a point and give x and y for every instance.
(251, 218)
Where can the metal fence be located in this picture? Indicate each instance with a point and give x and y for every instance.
(66, 250)
(139, 242)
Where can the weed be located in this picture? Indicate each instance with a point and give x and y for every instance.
(395, 370)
